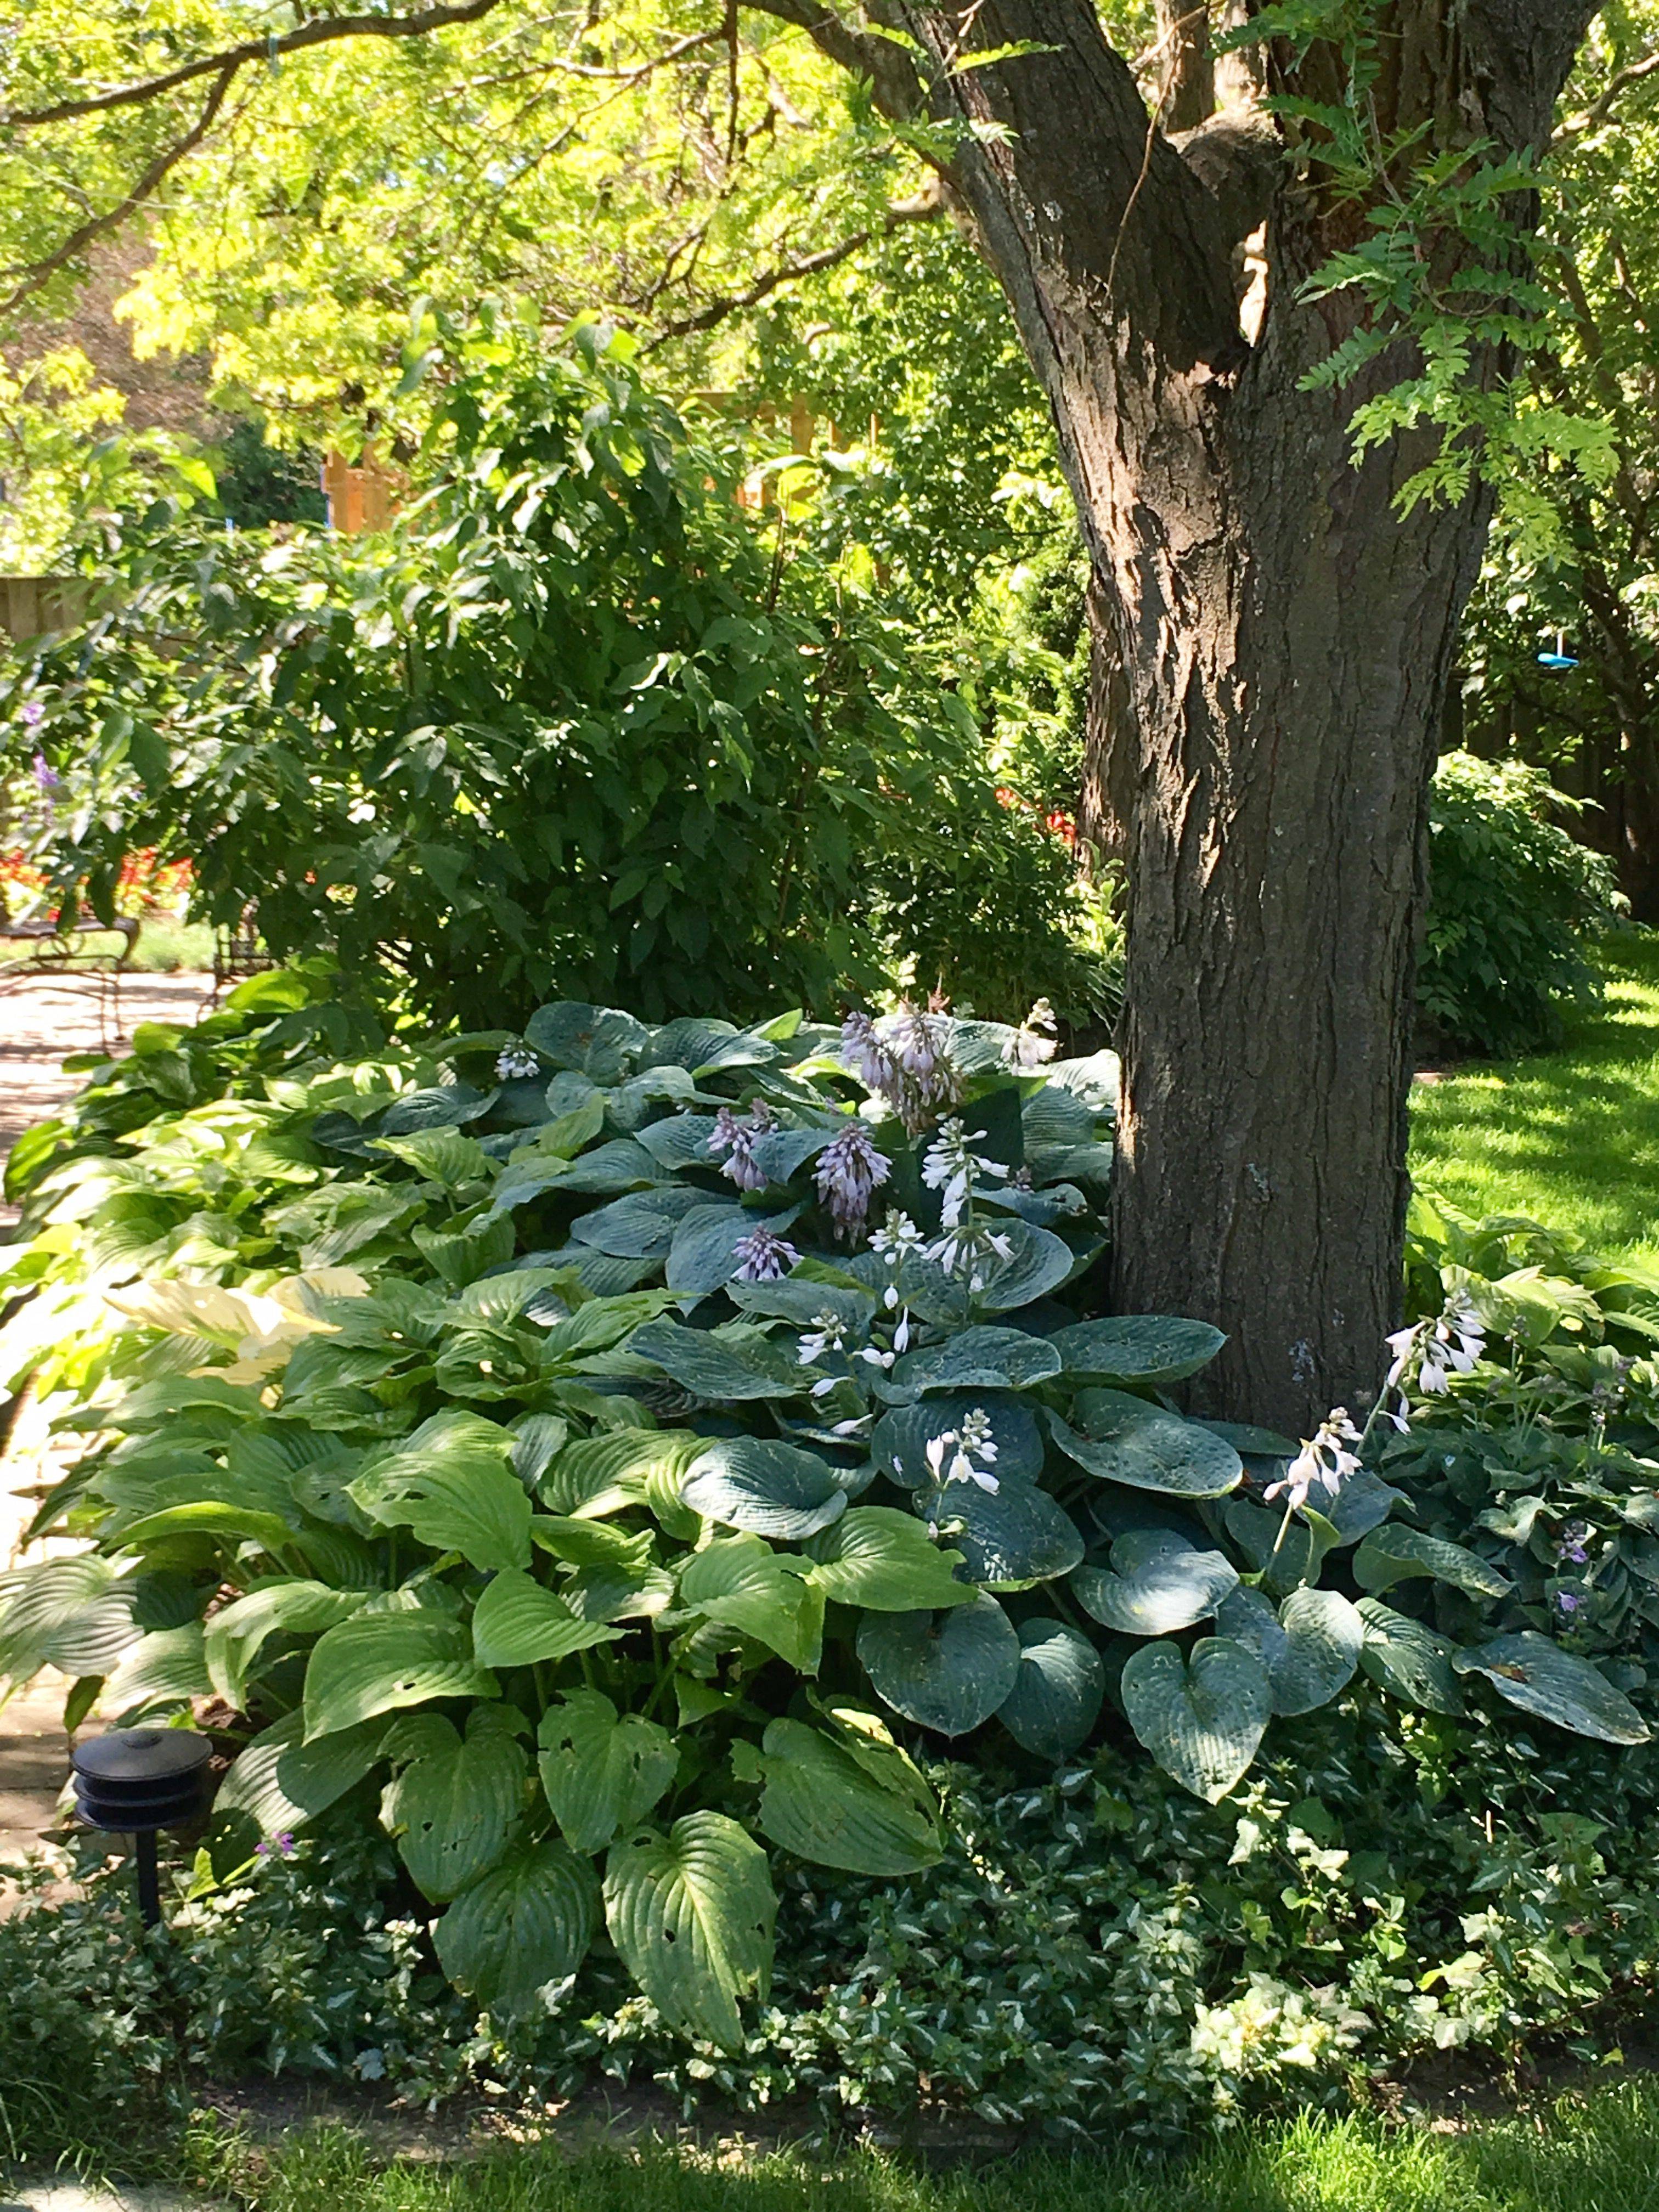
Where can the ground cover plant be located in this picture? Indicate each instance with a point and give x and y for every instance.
(620, 1442)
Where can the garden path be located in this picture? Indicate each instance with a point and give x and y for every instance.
(44, 1019)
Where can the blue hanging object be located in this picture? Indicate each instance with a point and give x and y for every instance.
(1560, 660)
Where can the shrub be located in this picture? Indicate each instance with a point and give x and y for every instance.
(614, 1425)
(1513, 894)
(578, 725)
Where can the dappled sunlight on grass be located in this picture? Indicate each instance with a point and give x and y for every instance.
(1570, 1137)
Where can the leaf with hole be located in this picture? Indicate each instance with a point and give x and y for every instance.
(381, 1661)
(452, 1483)
(691, 1914)
(519, 1623)
(453, 1808)
(602, 1773)
(947, 1671)
(529, 1921)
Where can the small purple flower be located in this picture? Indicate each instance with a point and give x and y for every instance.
(279, 1847)
(33, 715)
(763, 1256)
(1567, 1602)
(45, 774)
(848, 1172)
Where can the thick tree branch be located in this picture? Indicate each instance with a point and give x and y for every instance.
(321, 30)
(1598, 112)
(893, 75)
(41, 271)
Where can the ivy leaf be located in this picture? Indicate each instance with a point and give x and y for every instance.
(528, 1922)
(692, 1914)
(602, 1773)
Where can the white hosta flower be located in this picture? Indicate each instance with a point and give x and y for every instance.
(1323, 1462)
(516, 1064)
(848, 1173)
(763, 1256)
(1450, 1344)
(951, 1455)
(827, 1333)
(898, 1235)
(1034, 1043)
(953, 1168)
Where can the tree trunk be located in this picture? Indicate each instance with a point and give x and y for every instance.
(1102, 836)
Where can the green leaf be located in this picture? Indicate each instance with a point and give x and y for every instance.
(619, 1468)
(236, 1633)
(381, 1661)
(974, 1360)
(280, 1782)
(1157, 1583)
(691, 1914)
(453, 1808)
(899, 1443)
(1409, 1660)
(820, 1803)
(719, 1366)
(703, 1255)
(602, 1773)
(1394, 1555)
(1201, 1719)
(877, 1557)
(1011, 1537)
(1126, 1440)
(1310, 1646)
(948, 1671)
(1057, 1693)
(443, 1106)
(1149, 1350)
(641, 1225)
(1539, 1677)
(1041, 1262)
(769, 1489)
(517, 1623)
(800, 1300)
(530, 1920)
(597, 1042)
(452, 1483)
(744, 1583)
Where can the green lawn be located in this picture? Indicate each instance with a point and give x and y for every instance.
(1571, 1138)
(1598, 2155)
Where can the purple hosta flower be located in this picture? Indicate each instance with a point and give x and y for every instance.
(1034, 1043)
(516, 1064)
(279, 1847)
(1571, 1544)
(1323, 1460)
(1568, 1602)
(848, 1173)
(864, 1052)
(763, 1256)
(904, 1060)
(45, 776)
(734, 1135)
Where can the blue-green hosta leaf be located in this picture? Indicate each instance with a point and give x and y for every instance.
(641, 1225)
(798, 1299)
(381, 1661)
(766, 1488)
(517, 1623)
(1310, 1645)
(877, 1557)
(783, 1153)
(899, 1443)
(1011, 1537)
(703, 1254)
(1203, 1719)
(601, 1042)
(236, 1633)
(1157, 1585)
(1537, 1674)
(1284, 1556)
(974, 1360)
(280, 1782)
(1409, 1660)
(1151, 1351)
(1362, 1503)
(947, 1671)
(719, 1365)
(1057, 1693)
(443, 1106)
(1126, 1440)
(681, 1141)
(823, 1804)
(602, 1772)
(744, 1583)
(530, 1920)
(613, 1169)
(454, 1807)
(696, 1041)
(452, 1483)
(1394, 1555)
(1041, 1262)
(691, 1914)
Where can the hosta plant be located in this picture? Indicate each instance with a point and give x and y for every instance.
(626, 1447)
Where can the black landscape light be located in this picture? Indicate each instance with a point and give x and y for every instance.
(134, 1781)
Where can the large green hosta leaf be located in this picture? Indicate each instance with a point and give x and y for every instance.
(381, 1661)
(822, 1803)
(528, 1922)
(1126, 1440)
(948, 1671)
(1412, 1661)
(1202, 1719)
(691, 1914)
(736, 1363)
(641, 1225)
(1057, 1692)
(1392, 1555)
(517, 1622)
(902, 1435)
(237, 1632)
(974, 1359)
(619, 1468)
(280, 1782)
(601, 1042)
(602, 1772)
(73, 1613)
(1151, 1350)
(1011, 1537)
(1539, 1677)
(454, 1805)
(1310, 1645)
(883, 1559)
(1040, 1262)
(1158, 1582)
(742, 1581)
(452, 1483)
(766, 1488)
